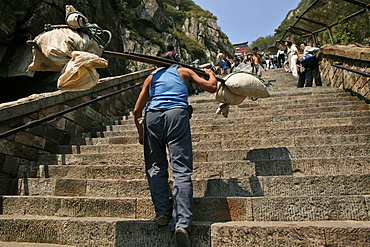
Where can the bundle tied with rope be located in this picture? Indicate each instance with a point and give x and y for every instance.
(236, 88)
(74, 50)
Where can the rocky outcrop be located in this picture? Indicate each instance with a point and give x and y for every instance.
(142, 26)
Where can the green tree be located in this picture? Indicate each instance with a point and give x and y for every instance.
(263, 42)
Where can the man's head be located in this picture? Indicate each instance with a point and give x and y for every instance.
(170, 48)
(288, 43)
(303, 45)
(255, 50)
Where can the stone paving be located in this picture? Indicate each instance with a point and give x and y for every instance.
(289, 170)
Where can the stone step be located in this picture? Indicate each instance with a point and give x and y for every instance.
(284, 153)
(95, 232)
(227, 144)
(257, 123)
(257, 154)
(218, 120)
(15, 244)
(272, 106)
(354, 184)
(287, 133)
(311, 233)
(222, 170)
(264, 142)
(280, 99)
(239, 112)
(283, 92)
(120, 232)
(312, 208)
(235, 132)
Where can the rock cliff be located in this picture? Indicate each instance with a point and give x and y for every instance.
(144, 26)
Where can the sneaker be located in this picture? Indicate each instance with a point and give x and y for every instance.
(182, 237)
(162, 220)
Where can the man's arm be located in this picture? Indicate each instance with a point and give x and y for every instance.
(139, 106)
(209, 85)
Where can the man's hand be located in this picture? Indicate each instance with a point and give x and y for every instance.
(209, 72)
(141, 139)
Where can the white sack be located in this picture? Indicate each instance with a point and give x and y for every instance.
(54, 48)
(80, 72)
(224, 95)
(246, 85)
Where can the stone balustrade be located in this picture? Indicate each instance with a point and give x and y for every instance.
(18, 152)
(350, 56)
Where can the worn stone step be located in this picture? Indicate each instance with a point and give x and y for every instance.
(95, 232)
(263, 142)
(253, 112)
(284, 153)
(291, 130)
(312, 208)
(354, 184)
(222, 170)
(257, 154)
(299, 147)
(122, 232)
(126, 172)
(285, 234)
(282, 93)
(281, 99)
(15, 244)
(92, 159)
(286, 105)
(218, 120)
(259, 123)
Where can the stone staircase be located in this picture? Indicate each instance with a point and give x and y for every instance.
(290, 170)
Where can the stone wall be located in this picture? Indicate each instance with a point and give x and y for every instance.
(349, 56)
(18, 152)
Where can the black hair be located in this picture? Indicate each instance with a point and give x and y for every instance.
(303, 43)
(255, 48)
(170, 48)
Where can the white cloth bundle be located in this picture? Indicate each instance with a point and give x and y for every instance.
(54, 48)
(246, 85)
(224, 95)
(80, 72)
(237, 87)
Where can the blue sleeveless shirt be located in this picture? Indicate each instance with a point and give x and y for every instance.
(167, 91)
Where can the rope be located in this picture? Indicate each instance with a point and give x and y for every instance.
(96, 33)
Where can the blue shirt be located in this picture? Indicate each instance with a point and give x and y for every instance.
(225, 64)
(167, 90)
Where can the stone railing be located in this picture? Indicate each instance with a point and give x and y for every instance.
(350, 56)
(19, 151)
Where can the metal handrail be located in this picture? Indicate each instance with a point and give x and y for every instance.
(339, 65)
(53, 116)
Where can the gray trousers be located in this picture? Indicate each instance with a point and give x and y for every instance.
(170, 129)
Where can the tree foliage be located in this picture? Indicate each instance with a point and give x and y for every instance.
(263, 42)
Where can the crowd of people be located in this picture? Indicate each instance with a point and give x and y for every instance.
(301, 62)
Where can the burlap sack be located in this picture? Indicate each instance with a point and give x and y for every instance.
(54, 48)
(224, 95)
(246, 85)
(80, 72)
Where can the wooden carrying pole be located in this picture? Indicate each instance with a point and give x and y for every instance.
(160, 61)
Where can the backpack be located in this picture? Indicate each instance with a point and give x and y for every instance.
(308, 60)
(169, 53)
